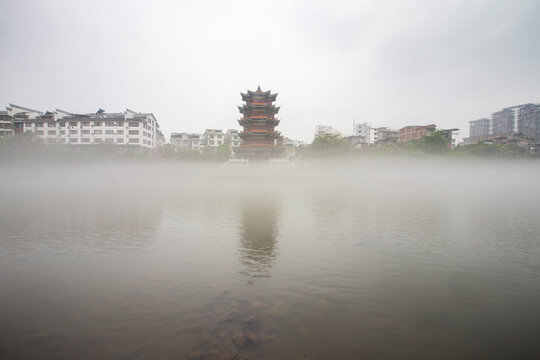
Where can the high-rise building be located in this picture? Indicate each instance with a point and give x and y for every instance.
(503, 122)
(529, 121)
(260, 140)
(480, 127)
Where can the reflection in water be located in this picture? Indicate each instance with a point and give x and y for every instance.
(258, 236)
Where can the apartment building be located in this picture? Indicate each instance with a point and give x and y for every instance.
(128, 128)
(503, 122)
(232, 138)
(181, 140)
(386, 135)
(480, 127)
(187, 141)
(212, 138)
(413, 132)
(451, 136)
(364, 133)
(6, 124)
(528, 119)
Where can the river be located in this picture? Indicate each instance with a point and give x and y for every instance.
(373, 259)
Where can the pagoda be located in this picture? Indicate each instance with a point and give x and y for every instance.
(260, 140)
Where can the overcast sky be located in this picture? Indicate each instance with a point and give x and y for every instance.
(390, 63)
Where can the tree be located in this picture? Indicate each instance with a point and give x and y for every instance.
(223, 152)
(330, 144)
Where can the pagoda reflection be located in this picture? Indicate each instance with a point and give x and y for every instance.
(258, 237)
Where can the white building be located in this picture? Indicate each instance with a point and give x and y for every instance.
(181, 140)
(365, 133)
(196, 142)
(451, 135)
(292, 143)
(6, 124)
(385, 135)
(187, 141)
(62, 127)
(232, 138)
(212, 138)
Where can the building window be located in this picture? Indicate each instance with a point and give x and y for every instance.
(98, 132)
(85, 123)
(134, 141)
(72, 123)
(98, 141)
(28, 124)
(133, 132)
(85, 140)
(85, 132)
(62, 124)
(134, 124)
(62, 132)
(51, 124)
(73, 132)
(120, 141)
(39, 124)
(109, 123)
(110, 141)
(97, 123)
(120, 132)
(73, 140)
(51, 132)
(109, 132)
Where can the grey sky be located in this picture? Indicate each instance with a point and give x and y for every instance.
(391, 63)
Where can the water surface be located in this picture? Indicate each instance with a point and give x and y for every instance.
(369, 260)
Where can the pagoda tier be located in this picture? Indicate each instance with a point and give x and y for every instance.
(258, 123)
(258, 110)
(260, 140)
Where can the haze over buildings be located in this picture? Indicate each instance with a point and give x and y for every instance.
(393, 63)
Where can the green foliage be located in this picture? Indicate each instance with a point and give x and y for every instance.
(482, 149)
(435, 143)
(223, 153)
(329, 145)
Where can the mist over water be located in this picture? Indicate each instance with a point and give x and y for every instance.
(378, 258)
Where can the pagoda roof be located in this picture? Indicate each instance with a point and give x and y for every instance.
(273, 108)
(250, 93)
(243, 121)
